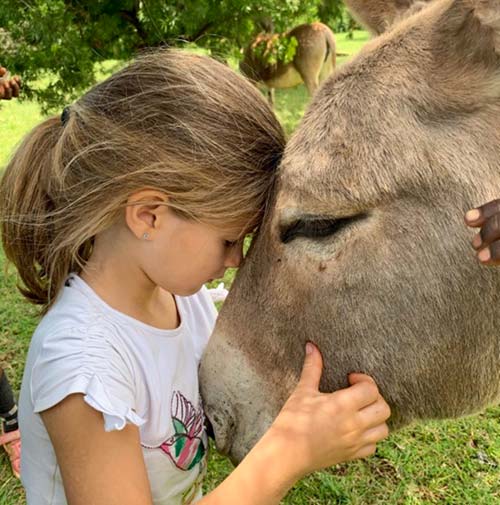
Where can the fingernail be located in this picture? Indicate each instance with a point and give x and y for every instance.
(309, 348)
(472, 215)
(484, 255)
(476, 241)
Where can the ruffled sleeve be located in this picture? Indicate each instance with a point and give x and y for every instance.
(115, 411)
(90, 362)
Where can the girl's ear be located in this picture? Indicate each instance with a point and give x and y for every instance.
(142, 212)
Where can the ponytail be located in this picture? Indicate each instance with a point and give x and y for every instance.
(28, 214)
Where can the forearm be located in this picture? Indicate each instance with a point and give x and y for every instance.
(263, 478)
(347, 425)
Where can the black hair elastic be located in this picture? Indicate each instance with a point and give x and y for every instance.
(65, 116)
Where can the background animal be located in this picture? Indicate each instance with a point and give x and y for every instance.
(364, 250)
(314, 59)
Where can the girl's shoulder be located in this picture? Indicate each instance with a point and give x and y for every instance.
(79, 333)
(77, 349)
(75, 312)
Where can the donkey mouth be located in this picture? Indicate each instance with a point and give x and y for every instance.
(220, 429)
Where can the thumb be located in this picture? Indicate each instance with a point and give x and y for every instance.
(355, 378)
(313, 367)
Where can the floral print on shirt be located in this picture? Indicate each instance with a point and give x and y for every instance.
(187, 447)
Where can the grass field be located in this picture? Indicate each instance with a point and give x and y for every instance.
(453, 462)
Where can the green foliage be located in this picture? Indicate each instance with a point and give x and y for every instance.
(334, 14)
(65, 39)
(279, 48)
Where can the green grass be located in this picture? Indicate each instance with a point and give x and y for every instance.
(17, 322)
(17, 119)
(454, 462)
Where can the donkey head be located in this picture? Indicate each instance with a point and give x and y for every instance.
(364, 251)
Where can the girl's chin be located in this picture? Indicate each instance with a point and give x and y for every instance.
(186, 291)
(193, 291)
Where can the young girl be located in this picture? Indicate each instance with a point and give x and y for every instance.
(115, 215)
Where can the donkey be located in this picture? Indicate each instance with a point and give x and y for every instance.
(364, 250)
(314, 59)
(378, 15)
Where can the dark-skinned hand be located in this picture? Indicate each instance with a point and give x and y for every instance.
(9, 87)
(487, 241)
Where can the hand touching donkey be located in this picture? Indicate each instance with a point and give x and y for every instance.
(487, 241)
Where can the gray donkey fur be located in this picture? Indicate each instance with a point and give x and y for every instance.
(364, 250)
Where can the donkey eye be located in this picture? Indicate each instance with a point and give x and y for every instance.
(313, 227)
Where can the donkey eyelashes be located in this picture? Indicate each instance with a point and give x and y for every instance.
(310, 226)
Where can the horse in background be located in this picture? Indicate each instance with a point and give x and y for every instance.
(314, 59)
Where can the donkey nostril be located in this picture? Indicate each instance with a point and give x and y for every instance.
(209, 428)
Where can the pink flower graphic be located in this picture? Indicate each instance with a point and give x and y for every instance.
(187, 447)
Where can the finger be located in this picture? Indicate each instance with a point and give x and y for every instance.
(359, 395)
(3, 71)
(376, 434)
(375, 414)
(490, 255)
(490, 232)
(356, 377)
(15, 88)
(367, 450)
(7, 91)
(313, 367)
(477, 241)
(477, 217)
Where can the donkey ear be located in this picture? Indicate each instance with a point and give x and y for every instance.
(379, 15)
(488, 13)
(468, 31)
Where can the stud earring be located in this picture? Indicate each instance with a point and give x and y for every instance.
(145, 236)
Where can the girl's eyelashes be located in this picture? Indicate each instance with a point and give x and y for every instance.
(230, 243)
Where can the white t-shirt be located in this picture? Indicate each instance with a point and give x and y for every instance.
(129, 371)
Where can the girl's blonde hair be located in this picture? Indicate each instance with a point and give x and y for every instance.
(173, 121)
